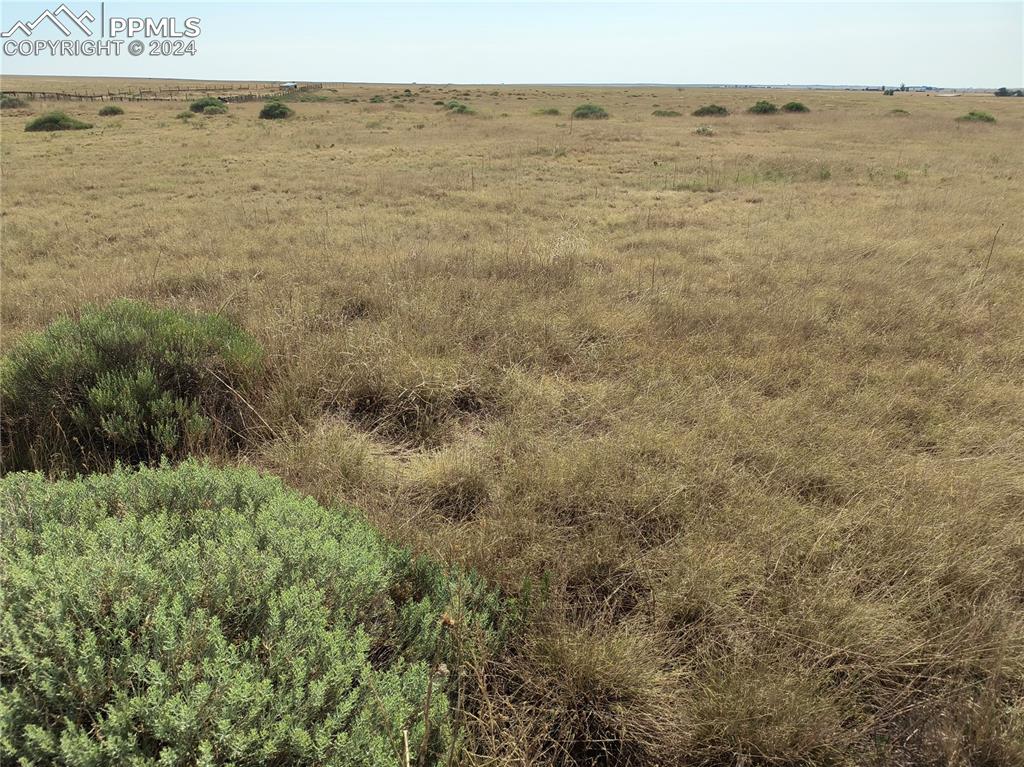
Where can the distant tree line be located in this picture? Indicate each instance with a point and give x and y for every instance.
(1008, 92)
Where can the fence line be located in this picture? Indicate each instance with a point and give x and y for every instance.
(163, 94)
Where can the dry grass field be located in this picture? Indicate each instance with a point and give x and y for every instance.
(741, 414)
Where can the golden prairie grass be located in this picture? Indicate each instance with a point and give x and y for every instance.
(743, 413)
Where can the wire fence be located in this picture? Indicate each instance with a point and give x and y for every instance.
(232, 94)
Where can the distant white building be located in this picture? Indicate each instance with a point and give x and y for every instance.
(289, 86)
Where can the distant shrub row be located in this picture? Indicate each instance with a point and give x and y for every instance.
(760, 108)
(276, 109)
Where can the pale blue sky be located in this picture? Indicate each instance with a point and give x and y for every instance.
(955, 44)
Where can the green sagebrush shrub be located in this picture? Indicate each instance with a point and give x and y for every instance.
(199, 105)
(126, 382)
(976, 116)
(589, 112)
(763, 108)
(11, 102)
(53, 121)
(111, 110)
(200, 616)
(458, 108)
(275, 110)
(795, 107)
(711, 110)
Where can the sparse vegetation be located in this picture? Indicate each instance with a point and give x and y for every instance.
(589, 112)
(110, 110)
(206, 616)
(457, 107)
(185, 115)
(666, 113)
(794, 107)
(976, 116)
(201, 105)
(54, 121)
(275, 110)
(763, 108)
(125, 382)
(899, 113)
(215, 109)
(11, 102)
(711, 110)
(705, 130)
(551, 111)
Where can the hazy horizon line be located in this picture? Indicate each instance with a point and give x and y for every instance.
(819, 86)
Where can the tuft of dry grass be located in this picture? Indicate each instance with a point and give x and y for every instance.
(742, 420)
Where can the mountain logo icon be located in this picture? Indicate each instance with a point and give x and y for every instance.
(55, 16)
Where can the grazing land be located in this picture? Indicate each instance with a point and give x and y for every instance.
(737, 414)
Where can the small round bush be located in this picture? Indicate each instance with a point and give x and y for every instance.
(126, 382)
(215, 109)
(665, 113)
(977, 117)
(11, 102)
(549, 111)
(794, 106)
(53, 121)
(275, 110)
(199, 106)
(111, 110)
(711, 110)
(202, 616)
(185, 115)
(705, 130)
(457, 107)
(589, 112)
(763, 108)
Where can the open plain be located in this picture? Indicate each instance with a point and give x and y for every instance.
(737, 414)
